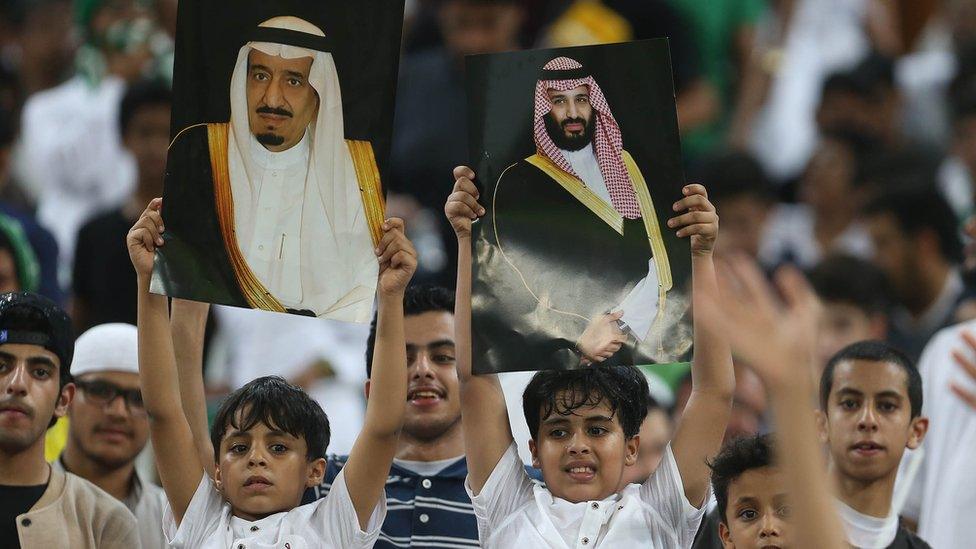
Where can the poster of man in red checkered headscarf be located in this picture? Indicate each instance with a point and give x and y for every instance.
(571, 264)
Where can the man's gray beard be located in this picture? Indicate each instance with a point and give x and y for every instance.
(427, 431)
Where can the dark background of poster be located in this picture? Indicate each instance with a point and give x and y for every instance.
(635, 78)
(366, 47)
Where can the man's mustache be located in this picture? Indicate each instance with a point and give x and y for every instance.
(273, 110)
(16, 404)
(569, 121)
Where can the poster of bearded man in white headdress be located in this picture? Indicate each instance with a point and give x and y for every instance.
(276, 208)
(571, 260)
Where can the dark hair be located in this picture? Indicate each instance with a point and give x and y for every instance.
(417, 300)
(874, 351)
(734, 174)
(868, 80)
(735, 458)
(139, 95)
(622, 388)
(848, 279)
(278, 404)
(917, 209)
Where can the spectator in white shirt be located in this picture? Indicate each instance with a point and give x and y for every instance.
(243, 484)
(585, 426)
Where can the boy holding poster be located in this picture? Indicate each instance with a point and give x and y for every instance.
(243, 484)
(585, 422)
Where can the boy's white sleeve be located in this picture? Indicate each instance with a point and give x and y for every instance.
(201, 519)
(337, 522)
(665, 493)
(507, 490)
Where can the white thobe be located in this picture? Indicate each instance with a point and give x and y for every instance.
(640, 305)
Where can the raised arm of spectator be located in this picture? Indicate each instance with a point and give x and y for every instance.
(188, 322)
(372, 454)
(699, 435)
(964, 387)
(484, 416)
(179, 470)
(777, 337)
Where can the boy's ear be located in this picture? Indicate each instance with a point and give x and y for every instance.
(632, 446)
(216, 478)
(316, 472)
(919, 427)
(821, 418)
(725, 535)
(535, 454)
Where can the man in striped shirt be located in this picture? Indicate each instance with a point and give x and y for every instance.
(427, 505)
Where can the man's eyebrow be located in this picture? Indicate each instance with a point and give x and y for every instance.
(295, 74)
(552, 420)
(847, 391)
(440, 343)
(259, 67)
(41, 361)
(889, 393)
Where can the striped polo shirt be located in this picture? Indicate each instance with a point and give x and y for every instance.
(421, 511)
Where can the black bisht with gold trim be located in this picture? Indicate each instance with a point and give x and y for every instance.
(553, 253)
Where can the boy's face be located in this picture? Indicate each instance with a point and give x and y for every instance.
(433, 406)
(30, 395)
(263, 471)
(867, 422)
(583, 455)
(758, 512)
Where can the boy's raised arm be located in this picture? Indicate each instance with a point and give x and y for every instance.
(777, 338)
(188, 322)
(484, 416)
(369, 461)
(179, 470)
(706, 415)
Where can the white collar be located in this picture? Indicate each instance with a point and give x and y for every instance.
(583, 155)
(867, 532)
(282, 159)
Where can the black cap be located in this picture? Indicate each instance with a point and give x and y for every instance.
(33, 319)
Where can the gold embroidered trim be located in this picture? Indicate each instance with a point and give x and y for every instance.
(580, 192)
(255, 293)
(649, 215)
(370, 186)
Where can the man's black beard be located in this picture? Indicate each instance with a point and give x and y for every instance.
(271, 139)
(557, 132)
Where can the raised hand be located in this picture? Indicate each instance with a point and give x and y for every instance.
(699, 220)
(145, 236)
(397, 258)
(968, 367)
(776, 336)
(462, 205)
(602, 338)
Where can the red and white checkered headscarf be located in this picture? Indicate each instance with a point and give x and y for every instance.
(606, 134)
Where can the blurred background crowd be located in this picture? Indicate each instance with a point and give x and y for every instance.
(837, 135)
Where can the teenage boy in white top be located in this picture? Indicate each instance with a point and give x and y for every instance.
(585, 425)
(243, 484)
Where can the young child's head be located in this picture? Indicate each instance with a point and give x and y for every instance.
(870, 410)
(584, 426)
(751, 495)
(269, 442)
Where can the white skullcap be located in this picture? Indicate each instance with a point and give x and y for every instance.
(107, 348)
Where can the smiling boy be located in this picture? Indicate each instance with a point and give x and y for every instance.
(585, 424)
(243, 485)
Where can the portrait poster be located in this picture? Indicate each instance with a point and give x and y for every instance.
(578, 163)
(280, 139)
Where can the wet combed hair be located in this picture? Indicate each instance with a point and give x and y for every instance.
(847, 279)
(147, 93)
(622, 388)
(735, 458)
(279, 405)
(875, 351)
(417, 300)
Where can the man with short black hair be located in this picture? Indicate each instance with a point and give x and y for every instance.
(41, 506)
(870, 412)
(426, 501)
(916, 242)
